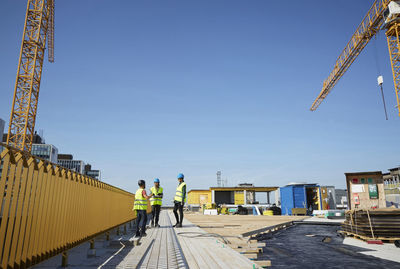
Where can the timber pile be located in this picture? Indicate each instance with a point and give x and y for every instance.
(383, 224)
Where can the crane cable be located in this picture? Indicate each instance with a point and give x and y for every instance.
(380, 77)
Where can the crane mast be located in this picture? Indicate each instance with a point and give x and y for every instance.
(392, 36)
(39, 19)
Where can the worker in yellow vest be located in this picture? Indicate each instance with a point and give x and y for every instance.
(179, 200)
(140, 206)
(156, 202)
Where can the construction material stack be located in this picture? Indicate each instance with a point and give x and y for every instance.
(373, 224)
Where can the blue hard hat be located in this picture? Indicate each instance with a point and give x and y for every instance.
(180, 175)
(156, 180)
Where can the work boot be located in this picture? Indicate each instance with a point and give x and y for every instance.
(157, 225)
(179, 225)
(176, 224)
(144, 234)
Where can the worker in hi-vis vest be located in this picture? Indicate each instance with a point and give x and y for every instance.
(179, 200)
(140, 206)
(156, 202)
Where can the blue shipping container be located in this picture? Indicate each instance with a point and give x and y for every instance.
(293, 196)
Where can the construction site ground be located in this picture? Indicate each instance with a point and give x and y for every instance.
(300, 245)
(319, 246)
(218, 242)
(228, 225)
(163, 247)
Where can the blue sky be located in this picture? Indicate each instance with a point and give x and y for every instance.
(144, 89)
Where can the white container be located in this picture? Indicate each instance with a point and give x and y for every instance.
(210, 212)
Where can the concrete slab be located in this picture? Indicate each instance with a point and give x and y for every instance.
(317, 219)
(386, 251)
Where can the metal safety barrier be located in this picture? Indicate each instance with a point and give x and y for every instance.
(47, 209)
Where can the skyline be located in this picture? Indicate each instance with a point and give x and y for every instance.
(154, 89)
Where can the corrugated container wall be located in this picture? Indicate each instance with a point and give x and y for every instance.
(293, 197)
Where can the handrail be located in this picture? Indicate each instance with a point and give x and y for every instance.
(47, 209)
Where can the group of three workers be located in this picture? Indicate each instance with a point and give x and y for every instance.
(155, 197)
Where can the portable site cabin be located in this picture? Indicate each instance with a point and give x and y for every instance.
(366, 190)
(300, 195)
(199, 197)
(241, 195)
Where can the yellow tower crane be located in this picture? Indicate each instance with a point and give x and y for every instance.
(39, 24)
(384, 14)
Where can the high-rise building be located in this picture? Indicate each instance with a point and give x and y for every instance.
(45, 151)
(96, 174)
(67, 161)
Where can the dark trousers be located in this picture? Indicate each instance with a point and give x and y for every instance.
(141, 221)
(155, 213)
(178, 206)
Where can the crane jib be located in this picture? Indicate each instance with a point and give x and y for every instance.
(367, 29)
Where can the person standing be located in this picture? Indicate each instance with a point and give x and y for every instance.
(140, 206)
(156, 202)
(179, 200)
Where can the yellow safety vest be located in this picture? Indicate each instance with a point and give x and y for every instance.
(179, 194)
(156, 200)
(140, 201)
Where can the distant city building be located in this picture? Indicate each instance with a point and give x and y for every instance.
(92, 173)
(67, 161)
(45, 151)
(65, 157)
(2, 125)
(392, 187)
(70, 163)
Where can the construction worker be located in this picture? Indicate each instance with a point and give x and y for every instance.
(179, 200)
(156, 202)
(140, 206)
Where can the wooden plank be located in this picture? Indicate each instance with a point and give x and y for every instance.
(269, 228)
(196, 256)
(200, 252)
(211, 251)
(250, 255)
(192, 261)
(249, 251)
(265, 263)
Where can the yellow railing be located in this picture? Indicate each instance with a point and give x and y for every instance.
(47, 209)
